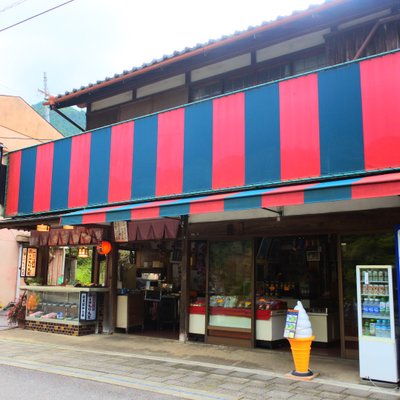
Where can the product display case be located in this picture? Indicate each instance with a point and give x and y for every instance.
(61, 304)
(376, 323)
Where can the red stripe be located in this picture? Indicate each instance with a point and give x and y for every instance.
(228, 157)
(380, 89)
(121, 160)
(299, 128)
(377, 186)
(94, 218)
(79, 171)
(14, 174)
(202, 207)
(169, 178)
(284, 196)
(145, 213)
(43, 177)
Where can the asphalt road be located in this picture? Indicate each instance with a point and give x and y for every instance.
(20, 383)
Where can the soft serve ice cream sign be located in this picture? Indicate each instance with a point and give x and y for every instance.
(298, 331)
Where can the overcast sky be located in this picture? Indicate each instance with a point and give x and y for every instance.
(87, 40)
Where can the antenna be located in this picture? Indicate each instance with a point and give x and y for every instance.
(46, 97)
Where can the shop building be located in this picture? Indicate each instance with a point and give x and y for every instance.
(247, 173)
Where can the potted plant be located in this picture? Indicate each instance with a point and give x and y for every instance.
(16, 314)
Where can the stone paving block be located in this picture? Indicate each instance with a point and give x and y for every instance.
(357, 393)
(355, 398)
(238, 374)
(231, 386)
(385, 396)
(192, 379)
(220, 371)
(331, 388)
(283, 381)
(331, 395)
(279, 394)
(304, 397)
(254, 390)
(306, 385)
(260, 377)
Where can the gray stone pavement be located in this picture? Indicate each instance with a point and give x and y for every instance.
(185, 370)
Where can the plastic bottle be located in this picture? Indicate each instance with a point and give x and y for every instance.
(366, 328)
(378, 328)
(385, 328)
(382, 307)
(376, 307)
(372, 328)
(387, 311)
(388, 332)
(380, 275)
(370, 306)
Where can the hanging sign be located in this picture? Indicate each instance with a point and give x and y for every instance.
(88, 306)
(290, 325)
(28, 262)
(120, 231)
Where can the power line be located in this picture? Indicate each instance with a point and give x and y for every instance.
(17, 3)
(36, 15)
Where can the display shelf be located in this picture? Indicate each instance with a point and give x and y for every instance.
(374, 316)
(64, 289)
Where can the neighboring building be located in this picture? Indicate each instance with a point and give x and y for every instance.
(20, 127)
(272, 172)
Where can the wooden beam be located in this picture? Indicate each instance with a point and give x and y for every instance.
(185, 279)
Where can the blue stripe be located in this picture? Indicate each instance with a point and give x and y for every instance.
(99, 170)
(120, 215)
(174, 210)
(262, 135)
(341, 133)
(60, 178)
(242, 203)
(197, 164)
(71, 220)
(327, 194)
(27, 181)
(145, 158)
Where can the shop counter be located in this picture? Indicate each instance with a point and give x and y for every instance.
(269, 323)
(325, 326)
(64, 309)
(130, 310)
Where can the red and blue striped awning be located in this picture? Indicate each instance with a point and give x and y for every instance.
(345, 189)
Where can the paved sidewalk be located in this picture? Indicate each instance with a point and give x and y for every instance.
(191, 371)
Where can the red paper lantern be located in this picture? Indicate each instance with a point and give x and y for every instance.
(104, 247)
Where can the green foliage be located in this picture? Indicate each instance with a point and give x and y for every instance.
(60, 123)
(83, 272)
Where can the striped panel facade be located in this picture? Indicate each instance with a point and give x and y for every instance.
(336, 122)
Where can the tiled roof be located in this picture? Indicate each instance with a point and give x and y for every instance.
(186, 50)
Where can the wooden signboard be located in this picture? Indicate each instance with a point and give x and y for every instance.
(120, 231)
(28, 262)
(291, 323)
(88, 306)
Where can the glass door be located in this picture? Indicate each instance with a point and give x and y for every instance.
(368, 249)
(230, 289)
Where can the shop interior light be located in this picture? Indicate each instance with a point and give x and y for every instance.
(42, 228)
(69, 227)
(83, 252)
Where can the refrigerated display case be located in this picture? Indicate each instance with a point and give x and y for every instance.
(376, 323)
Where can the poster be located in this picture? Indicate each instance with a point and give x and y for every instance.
(290, 325)
(120, 231)
(23, 262)
(28, 262)
(88, 306)
(31, 261)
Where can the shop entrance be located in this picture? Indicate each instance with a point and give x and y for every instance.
(148, 283)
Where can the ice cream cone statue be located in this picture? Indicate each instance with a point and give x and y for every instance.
(301, 344)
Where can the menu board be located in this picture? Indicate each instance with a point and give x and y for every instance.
(290, 325)
(88, 306)
(28, 262)
(120, 231)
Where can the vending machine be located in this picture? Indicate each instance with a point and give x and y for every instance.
(378, 342)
